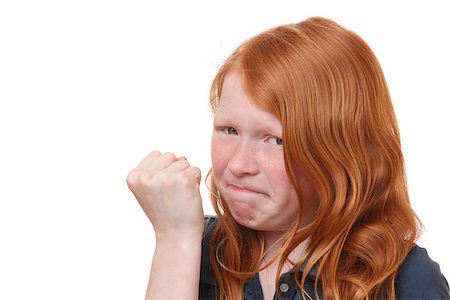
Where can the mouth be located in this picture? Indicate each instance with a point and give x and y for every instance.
(243, 189)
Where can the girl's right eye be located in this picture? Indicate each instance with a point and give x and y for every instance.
(230, 130)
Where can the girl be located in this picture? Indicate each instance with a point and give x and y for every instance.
(307, 181)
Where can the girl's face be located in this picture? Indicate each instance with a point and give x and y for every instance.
(248, 165)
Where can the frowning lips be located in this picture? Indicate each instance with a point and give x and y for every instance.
(244, 188)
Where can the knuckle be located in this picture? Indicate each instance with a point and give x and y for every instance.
(155, 152)
(184, 163)
(169, 155)
(195, 172)
(186, 180)
(132, 178)
(138, 179)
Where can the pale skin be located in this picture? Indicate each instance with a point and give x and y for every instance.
(249, 171)
(167, 188)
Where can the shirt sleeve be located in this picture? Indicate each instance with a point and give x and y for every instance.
(207, 289)
(420, 277)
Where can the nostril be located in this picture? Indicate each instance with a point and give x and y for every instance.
(243, 162)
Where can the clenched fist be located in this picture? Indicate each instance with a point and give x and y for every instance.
(167, 188)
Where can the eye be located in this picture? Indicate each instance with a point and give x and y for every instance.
(275, 141)
(230, 130)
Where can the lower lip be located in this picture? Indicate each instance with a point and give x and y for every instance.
(242, 190)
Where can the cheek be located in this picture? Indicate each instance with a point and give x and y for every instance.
(277, 172)
(218, 156)
(281, 184)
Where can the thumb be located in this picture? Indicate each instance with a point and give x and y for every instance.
(195, 173)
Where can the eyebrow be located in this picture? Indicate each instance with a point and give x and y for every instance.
(275, 129)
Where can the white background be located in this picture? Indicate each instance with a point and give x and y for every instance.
(89, 87)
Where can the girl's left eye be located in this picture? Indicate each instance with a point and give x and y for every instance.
(276, 141)
(231, 130)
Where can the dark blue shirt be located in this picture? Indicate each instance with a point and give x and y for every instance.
(419, 277)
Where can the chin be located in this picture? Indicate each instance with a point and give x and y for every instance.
(246, 219)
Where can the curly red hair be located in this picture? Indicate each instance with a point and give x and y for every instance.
(328, 90)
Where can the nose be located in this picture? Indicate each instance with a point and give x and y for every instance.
(243, 161)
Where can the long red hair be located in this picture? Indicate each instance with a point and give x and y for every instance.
(327, 89)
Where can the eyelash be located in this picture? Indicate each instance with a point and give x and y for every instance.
(228, 129)
(232, 130)
(278, 141)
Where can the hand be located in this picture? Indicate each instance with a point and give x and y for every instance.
(167, 188)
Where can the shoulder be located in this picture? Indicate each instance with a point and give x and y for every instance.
(419, 277)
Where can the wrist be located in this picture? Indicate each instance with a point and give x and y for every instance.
(180, 238)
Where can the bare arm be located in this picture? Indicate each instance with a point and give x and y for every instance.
(175, 271)
(167, 188)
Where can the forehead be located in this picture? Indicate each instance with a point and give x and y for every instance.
(233, 92)
(236, 103)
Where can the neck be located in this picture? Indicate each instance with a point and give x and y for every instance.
(272, 244)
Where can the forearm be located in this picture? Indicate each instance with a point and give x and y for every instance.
(167, 188)
(175, 271)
